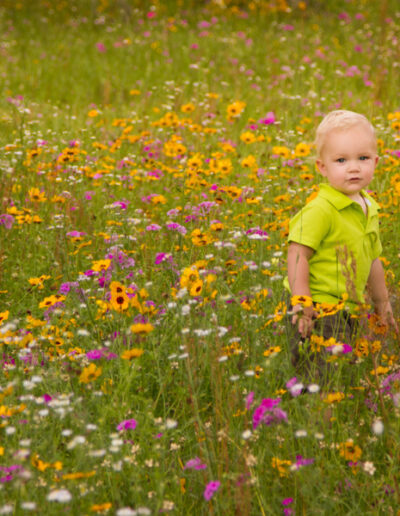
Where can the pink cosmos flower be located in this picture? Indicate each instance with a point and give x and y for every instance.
(6, 220)
(268, 119)
(101, 47)
(194, 464)
(127, 424)
(211, 489)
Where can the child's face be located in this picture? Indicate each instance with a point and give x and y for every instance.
(348, 159)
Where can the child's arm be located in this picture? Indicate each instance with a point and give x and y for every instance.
(380, 294)
(298, 276)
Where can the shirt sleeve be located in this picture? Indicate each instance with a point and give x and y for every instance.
(310, 226)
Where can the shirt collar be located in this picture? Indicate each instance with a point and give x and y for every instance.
(340, 201)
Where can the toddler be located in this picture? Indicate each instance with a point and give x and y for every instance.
(334, 243)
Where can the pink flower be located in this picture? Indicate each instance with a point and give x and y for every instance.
(6, 220)
(269, 119)
(211, 489)
(128, 424)
(249, 400)
(101, 47)
(194, 464)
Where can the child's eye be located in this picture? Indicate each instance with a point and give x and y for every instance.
(340, 160)
(363, 158)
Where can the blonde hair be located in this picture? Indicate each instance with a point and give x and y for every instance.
(339, 119)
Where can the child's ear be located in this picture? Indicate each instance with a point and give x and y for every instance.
(320, 166)
(376, 159)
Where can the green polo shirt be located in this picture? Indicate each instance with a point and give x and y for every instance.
(345, 241)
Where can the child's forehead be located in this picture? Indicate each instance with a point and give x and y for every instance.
(362, 133)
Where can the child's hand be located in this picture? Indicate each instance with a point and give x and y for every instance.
(385, 312)
(303, 315)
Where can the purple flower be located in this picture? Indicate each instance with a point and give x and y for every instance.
(268, 119)
(194, 464)
(211, 489)
(160, 257)
(301, 461)
(177, 227)
(76, 234)
(121, 204)
(66, 287)
(249, 400)
(268, 413)
(94, 354)
(101, 47)
(153, 227)
(287, 501)
(127, 424)
(6, 220)
(291, 382)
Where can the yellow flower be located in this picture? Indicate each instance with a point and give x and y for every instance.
(78, 475)
(132, 353)
(38, 281)
(302, 150)
(350, 451)
(101, 265)
(235, 109)
(90, 373)
(134, 92)
(249, 162)
(189, 276)
(188, 108)
(380, 370)
(142, 328)
(301, 300)
(281, 466)
(196, 288)
(101, 507)
(334, 397)
(248, 137)
(119, 301)
(4, 316)
(272, 351)
(51, 300)
(36, 195)
(93, 113)
(284, 152)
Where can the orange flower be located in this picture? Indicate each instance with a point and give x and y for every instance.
(350, 451)
(142, 328)
(132, 353)
(90, 373)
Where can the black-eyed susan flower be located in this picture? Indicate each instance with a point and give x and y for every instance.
(119, 301)
(130, 354)
(142, 328)
(302, 150)
(301, 300)
(196, 288)
(36, 195)
(4, 316)
(188, 108)
(248, 137)
(90, 373)
(51, 300)
(101, 265)
(235, 109)
(350, 451)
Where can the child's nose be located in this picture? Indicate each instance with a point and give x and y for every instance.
(354, 164)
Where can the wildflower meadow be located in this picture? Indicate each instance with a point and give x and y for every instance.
(151, 157)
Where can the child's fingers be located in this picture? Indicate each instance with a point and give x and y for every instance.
(305, 326)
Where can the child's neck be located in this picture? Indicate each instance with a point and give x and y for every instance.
(360, 199)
